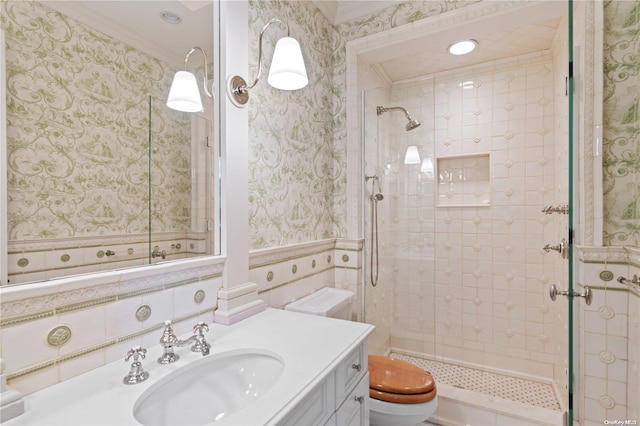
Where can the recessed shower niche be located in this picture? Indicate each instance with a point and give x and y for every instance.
(463, 180)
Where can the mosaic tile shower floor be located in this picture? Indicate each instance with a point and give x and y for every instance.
(498, 385)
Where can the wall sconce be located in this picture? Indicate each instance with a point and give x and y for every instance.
(412, 156)
(287, 71)
(427, 166)
(184, 94)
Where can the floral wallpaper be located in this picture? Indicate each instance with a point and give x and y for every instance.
(621, 159)
(292, 178)
(78, 119)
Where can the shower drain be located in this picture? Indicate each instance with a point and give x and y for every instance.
(498, 385)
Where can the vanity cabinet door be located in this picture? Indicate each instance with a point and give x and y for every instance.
(350, 371)
(354, 411)
(317, 407)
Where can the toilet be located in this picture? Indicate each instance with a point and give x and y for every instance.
(400, 393)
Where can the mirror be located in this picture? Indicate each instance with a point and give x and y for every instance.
(100, 173)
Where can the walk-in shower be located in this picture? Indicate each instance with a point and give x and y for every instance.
(456, 245)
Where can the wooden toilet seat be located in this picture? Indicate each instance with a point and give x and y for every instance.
(398, 381)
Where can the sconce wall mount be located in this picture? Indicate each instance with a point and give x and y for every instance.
(287, 71)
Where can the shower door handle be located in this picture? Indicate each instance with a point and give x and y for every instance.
(587, 294)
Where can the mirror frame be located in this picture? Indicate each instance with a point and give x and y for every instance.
(4, 273)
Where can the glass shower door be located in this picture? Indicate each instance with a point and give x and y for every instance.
(182, 182)
(464, 280)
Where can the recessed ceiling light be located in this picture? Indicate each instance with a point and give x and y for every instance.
(170, 17)
(463, 47)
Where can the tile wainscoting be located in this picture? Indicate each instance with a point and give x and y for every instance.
(57, 329)
(609, 335)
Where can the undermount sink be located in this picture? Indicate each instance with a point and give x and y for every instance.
(209, 389)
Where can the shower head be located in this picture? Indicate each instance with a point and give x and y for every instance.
(412, 124)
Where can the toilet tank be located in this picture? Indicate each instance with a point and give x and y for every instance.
(326, 302)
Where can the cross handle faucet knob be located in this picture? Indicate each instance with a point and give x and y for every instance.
(200, 328)
(135, 352)
(137, 374)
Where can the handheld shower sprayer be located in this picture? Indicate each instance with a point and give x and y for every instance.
(375, 196)
(412, 124)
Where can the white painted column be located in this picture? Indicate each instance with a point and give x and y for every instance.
(238, 298)
(234, 143)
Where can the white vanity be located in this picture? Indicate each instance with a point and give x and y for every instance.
(314, 372)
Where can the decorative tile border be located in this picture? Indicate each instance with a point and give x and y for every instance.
(47, 301)
(271, 256)
(336, 250)
(609, 255)
(85, 351)
(301, 278)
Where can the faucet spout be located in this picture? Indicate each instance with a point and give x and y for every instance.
(180, 343)
(169, 341)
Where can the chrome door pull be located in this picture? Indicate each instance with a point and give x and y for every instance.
(560, 248)
(554, 292)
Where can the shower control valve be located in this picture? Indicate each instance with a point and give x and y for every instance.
(561, 209)
(560, 248)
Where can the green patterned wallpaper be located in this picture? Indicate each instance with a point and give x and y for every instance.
(77, 132)
(621, 159)
(292, 176)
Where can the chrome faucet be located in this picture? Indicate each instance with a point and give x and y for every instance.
(169, 340)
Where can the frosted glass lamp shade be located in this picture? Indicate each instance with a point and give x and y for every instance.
(287, 71)
(184, 94)
(412, 156)
(427, 166)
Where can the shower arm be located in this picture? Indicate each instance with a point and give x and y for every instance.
(381, 110)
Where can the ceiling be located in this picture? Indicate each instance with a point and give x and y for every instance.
(139, 24)
(497, 44)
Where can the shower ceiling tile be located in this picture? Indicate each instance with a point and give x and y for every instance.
(497, 45)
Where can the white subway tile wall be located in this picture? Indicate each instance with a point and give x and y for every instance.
(468, 278)
(610, 337)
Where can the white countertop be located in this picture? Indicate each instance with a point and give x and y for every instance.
(310, 346)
